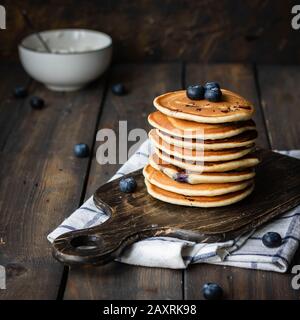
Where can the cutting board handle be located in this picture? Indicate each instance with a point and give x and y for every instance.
(101, 244)
(138, 215)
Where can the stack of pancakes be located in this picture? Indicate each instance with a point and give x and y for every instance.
(204, 151)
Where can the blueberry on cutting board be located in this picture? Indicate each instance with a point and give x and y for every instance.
(127, 185)
(36, 102)
(212, 291)
(81, 150)
(272, 240)
(195, 92)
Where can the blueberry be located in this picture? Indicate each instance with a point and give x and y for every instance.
(81, 150)
(212, 291)
(37, 102)
(213, 94)
(210, 85)
(181, 177)
(20, 92)
(127, 185)
(118, 89)
(272, 239)
(195, 92)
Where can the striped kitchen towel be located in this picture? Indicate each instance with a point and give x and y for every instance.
(246, 251)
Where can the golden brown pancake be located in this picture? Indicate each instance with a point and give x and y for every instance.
(232, 107)
(199, 155)
(244, 139)
(203, 131)
(191, 177)
(162, 181)
(200, 201)
(247, 161)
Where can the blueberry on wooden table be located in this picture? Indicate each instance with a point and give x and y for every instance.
(118, 89)
(272, 239)
(213, 94)
(81, 150)
(127, 185)
(20, 92)
(210, 85)
(195, 92)
(36, 102)
(212, 291)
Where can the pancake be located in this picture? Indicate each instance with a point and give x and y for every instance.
(199, 155)
(204, 202)
(190, 177)
(247, 161)
(162, 181)
(232, 107)
(242, 140)
(203, 131)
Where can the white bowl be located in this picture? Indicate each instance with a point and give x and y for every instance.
(77, 57)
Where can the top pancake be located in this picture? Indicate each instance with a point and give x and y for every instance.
(190, 129)
(232, 107)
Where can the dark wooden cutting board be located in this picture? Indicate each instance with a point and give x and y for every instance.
(137, 216)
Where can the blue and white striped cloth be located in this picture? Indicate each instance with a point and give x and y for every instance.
(246, 251)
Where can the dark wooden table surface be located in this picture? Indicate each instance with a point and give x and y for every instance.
(41, 182)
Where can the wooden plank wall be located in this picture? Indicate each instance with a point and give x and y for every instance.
(169, 30)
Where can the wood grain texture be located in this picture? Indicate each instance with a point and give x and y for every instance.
(121, 281)
(41, 182)
(280, 94)
(118, 281)
(279, 86)
(241, 284)
(12, 109)
(206, 31)
(138, 216)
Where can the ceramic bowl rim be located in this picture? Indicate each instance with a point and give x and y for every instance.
(22, 46)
